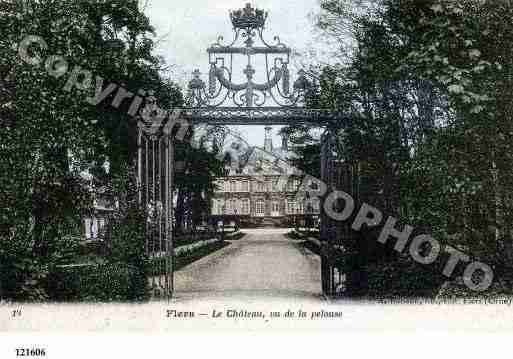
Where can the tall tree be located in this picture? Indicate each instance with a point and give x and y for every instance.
(433, 128)
(50, 134)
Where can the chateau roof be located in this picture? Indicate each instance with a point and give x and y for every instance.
(264, 163)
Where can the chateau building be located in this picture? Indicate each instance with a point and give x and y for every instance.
(265, 190)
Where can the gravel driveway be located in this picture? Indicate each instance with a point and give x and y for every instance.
(262, 263)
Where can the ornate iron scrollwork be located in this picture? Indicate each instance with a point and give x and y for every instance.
(248, 24)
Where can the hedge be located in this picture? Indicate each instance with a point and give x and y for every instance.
(97, 283)
(186, 255)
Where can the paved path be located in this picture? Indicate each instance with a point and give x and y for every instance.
(262, 263)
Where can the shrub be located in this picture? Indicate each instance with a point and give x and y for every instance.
(456, 289)
(119, 275)
(98, 283)
(403, 278)
(186, 255)
(23, 274)
(126, 239)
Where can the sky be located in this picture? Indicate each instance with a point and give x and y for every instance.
(186, 28)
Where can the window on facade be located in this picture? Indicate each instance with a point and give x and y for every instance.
(276, 207)
(316, 206)
(269, 185)
(93, 227)
(260, 186)
(244, 186)
(291, 207)
(218, 207)
(312, 206)
(300, 207)
(293, 185)
(233, 206)
(275, 185)
(260, 207)
(290, 186)
(233, 186)
(245, 206)
(87, 224)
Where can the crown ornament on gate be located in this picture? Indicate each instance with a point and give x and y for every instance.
(248, 18)
(263, 81)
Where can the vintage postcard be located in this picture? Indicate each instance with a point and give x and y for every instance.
(330, 166)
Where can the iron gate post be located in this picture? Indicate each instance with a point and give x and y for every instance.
(169, 216)
(155, 162)
(325, 225)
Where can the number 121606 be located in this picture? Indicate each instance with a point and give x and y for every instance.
(34, 352)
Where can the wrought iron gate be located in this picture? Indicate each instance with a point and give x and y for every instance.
(332, 276)
(155, 187)
(337, 237)
(227, 101)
